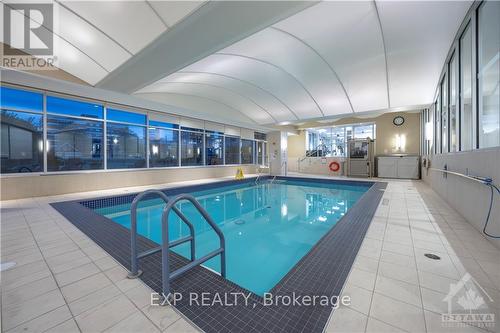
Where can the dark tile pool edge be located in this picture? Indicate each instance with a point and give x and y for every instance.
(322, 271)
(333, 255)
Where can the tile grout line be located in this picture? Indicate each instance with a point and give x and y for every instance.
(59, 289)
(103, 272)
(121, 291)
(376, 278)
(53, 274)
(416, 268)
(378, 265)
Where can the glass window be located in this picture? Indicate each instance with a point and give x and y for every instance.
(125, 116)
(437, 128)
(260, 152)
(259, 136)
(489, 74)
(22, 142)
(126, 146)
(74, 108)
(313, 140)
(429, 130)
(163, 147)
(363, 131)
(325, 142)
(191, 148)
(214, 148)
(247, 151)
(192, 129)
(453, 104)
(74, 144)
(232, 150)
(320, 142)
(266, 156)
(338, 141)
(444, 114)
(348, 133)
(156, 123)
(16, 99)
(466, 114)
(332, 141)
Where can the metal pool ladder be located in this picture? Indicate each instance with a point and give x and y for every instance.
(167, 276)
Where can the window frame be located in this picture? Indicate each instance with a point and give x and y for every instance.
(202, 133)
(477, 78)
(344, 128)
(105, 122)
(239, 149)
(43, 156)
(253, 151)
(470, 21)
(149, 145)
(58, 115)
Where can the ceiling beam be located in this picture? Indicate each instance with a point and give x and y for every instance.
(214, 26)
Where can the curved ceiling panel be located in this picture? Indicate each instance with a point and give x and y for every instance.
(172, 12)
(132, 23)
(70, 58)
(320, 81)
(224, 96)
(264, 75)
(415, 51)
(278, 110)
(73, 61)
(202, 106)
(348, 36)
(90, 40)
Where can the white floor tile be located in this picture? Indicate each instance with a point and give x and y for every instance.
(398, 314)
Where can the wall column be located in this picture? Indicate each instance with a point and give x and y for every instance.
(278, 152)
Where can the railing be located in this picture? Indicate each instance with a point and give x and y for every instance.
(259, 173)
(283, 164)
(134, 271)
(165, 244)
(309, 154)
(483, 180)
(166, 275)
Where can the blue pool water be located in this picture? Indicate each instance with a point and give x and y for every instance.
(268, 227)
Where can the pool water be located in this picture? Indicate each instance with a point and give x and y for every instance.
(268, 227)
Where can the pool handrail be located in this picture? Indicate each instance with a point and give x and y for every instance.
(134, 271)
(166, 275)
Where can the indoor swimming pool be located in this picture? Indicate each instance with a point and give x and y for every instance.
(268, 226)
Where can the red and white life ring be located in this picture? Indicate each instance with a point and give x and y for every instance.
(334, 166)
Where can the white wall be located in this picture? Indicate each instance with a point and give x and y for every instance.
(26, 185)
(316, 165)
(469, 198)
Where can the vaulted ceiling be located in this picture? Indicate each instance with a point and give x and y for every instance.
(319, 60)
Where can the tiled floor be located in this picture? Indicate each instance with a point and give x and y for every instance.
(63, 282)
(394, 287)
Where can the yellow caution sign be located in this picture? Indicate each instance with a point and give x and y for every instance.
(239, 173)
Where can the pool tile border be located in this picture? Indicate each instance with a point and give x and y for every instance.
(322, 271)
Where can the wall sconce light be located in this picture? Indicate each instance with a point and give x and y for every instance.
(400, 142)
